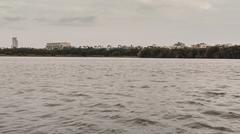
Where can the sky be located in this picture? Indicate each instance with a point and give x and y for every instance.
(114, 22)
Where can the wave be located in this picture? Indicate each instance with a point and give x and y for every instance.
(215, 94)
(226, 115)
(142, 122)
(200, 125)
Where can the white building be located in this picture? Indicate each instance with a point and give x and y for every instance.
(14, 42)
(58, 45)
(200, 45)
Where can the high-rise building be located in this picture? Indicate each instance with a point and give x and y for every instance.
(14, 42)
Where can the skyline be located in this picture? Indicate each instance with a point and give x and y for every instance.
(16, 45)
(114, 22)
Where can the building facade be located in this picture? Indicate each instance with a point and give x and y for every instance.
(14, 42)
(58, 45)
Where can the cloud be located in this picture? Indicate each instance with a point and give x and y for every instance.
(13, 19)
(68, 20)
(178, 4)
(77, 20)
(3, 7)
(90, 12)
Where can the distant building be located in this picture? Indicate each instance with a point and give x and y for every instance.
(14, 42)
(200, 45)
(58, 45)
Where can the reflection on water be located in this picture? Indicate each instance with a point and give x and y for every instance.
(119, 96)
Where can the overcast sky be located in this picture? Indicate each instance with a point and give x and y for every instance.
(138, 22)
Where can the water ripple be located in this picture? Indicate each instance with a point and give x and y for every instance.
(119, 96)
(200, 125)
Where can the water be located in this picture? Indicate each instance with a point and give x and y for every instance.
(119, 96)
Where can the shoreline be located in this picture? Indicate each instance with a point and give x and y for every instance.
(123, 57)
(175, 52)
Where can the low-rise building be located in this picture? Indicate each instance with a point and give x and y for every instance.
(58, 45)
(200, 45)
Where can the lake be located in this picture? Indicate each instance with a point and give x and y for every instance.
(47, 95)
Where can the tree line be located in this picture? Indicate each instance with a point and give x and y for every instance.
(178, 50)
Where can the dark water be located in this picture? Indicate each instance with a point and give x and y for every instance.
(119, 96)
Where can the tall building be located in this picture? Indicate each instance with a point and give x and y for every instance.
(14, 42)
(58, 45)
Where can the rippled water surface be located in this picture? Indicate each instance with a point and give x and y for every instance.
(119, 96)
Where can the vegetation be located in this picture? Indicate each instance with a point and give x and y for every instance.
(178, 50)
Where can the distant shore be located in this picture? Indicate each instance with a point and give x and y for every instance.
(178, 50)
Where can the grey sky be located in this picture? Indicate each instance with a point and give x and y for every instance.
(139, 22)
